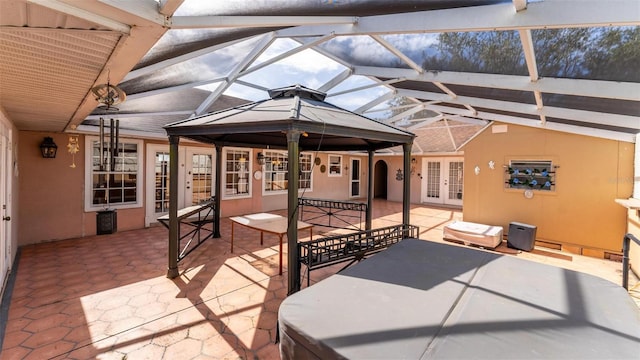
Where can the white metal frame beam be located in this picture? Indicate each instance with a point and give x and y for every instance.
(575, 87)
(260, 47)
(548, 14)
(84, 14)
(287, 54)
(592, 117)
(178, 59)
(407, 60)
(202, 22)
(145, 9)
(375, 102)
(335, 80)
(168, 7)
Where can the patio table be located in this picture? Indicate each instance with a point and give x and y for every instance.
(268, 223)
(420, 299)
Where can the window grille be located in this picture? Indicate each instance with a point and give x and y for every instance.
(276, 173)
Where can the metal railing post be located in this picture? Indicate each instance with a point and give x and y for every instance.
(626, 244)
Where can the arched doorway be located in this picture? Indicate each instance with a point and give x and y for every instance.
(380, 173)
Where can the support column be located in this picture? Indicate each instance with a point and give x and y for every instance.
(369, 218)
(293, 137)
(218, 193)
(406, 188)
(174, 225)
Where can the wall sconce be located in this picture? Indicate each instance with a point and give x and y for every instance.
(399, 175)
(476, 170)
(260, 159)
(48, 148)
(413, 165)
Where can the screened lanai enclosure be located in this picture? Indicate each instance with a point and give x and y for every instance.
(441, 66)
(441, 69)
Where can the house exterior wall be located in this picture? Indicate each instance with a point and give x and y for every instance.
(394, 191)
(580, 214)
(323, 186)
(52, 194)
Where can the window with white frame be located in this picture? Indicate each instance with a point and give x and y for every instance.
(335, 165)
(114, 178)
(237, 168)
(276, 171)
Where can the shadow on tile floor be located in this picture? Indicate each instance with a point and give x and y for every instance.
(107, 297)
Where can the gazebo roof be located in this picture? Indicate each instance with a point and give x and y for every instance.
(324, 127)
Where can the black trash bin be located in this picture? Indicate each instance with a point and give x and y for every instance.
(106, 222)
(521, 236)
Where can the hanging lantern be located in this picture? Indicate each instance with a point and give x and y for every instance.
(48, 148)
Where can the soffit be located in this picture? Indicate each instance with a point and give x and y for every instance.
(46, 73)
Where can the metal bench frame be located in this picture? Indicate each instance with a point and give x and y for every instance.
(352, 247)
(334, 211)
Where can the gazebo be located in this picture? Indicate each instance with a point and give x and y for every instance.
(294, 118)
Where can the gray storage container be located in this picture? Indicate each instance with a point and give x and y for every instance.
(521, 236)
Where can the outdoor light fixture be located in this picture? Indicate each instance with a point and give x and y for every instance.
(48, 148)
(260, 158)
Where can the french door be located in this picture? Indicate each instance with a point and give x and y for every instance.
(442, 180)
(6, 172)
(195, 178)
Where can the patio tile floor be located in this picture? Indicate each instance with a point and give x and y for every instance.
(107, 297)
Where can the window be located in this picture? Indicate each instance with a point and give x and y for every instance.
(335, 165)
(534, 175)
(113, 181)
(237, 166)
(276, 173)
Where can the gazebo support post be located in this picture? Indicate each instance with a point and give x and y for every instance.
(172, 271)
(369, 216)
(293, 137)
(216, 212)
(406, 189)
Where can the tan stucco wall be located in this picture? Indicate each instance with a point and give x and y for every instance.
(52, 194)
(394, 191)
(593, 173)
